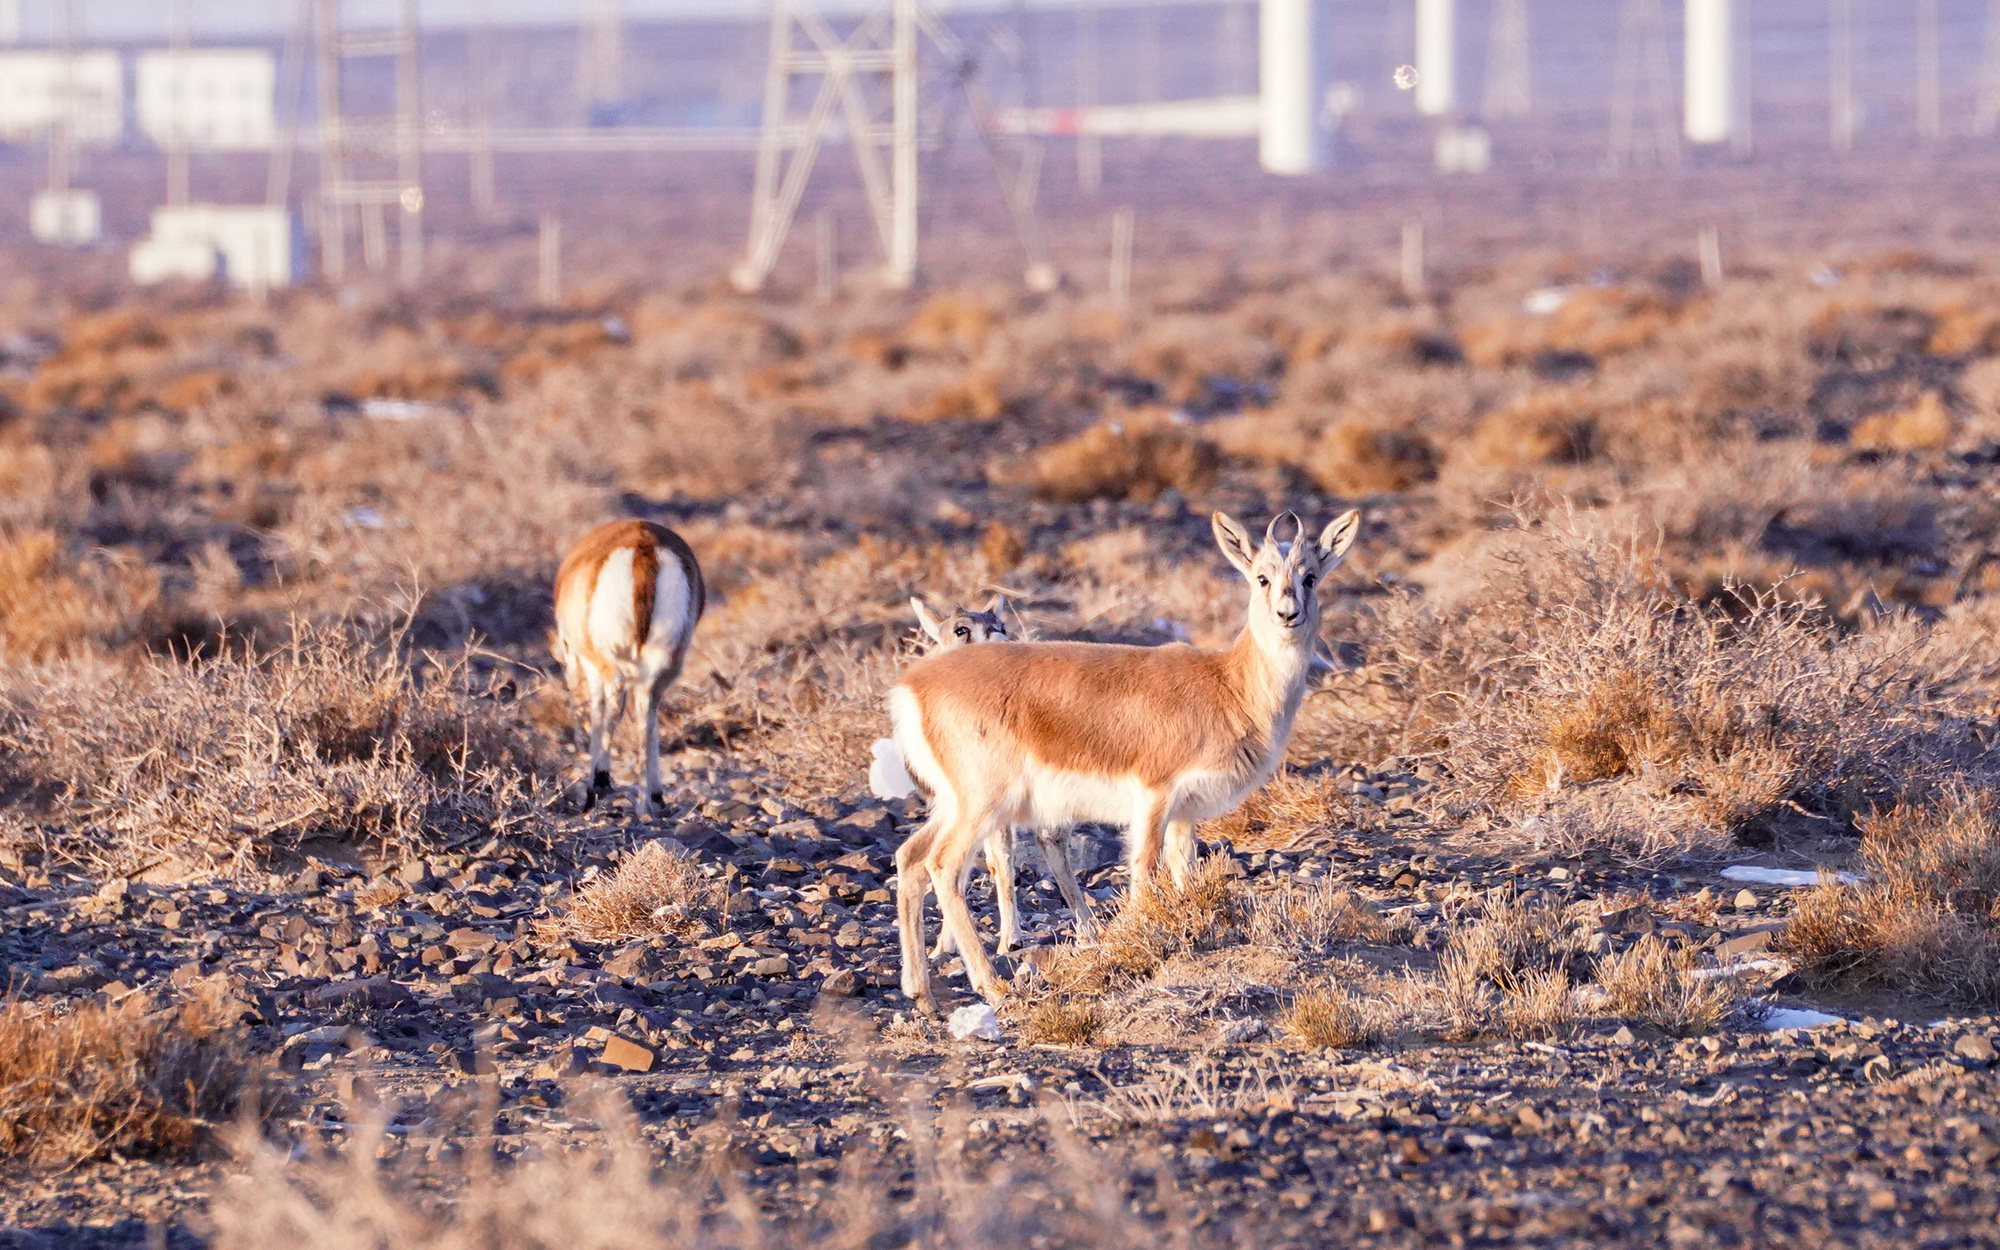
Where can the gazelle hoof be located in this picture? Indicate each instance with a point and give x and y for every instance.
(600, 781)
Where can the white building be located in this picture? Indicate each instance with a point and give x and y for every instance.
(249, 245)
(32, 84)
(225, 97)
(69, 218)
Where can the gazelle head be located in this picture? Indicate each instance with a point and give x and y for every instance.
(1284, 574)
(962, 626)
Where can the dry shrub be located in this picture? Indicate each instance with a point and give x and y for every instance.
(221, 763)
(1545, 427)
(1926, 918)
(1653, 981)
(611, 1191)
(1596, 675)
(1209, 911)
(1059, 1021)
(84, 1082)
(1922, 426)
(1606, 321)
(1135, 458)
(655, 891)
(1358, 458)
(53, 608)
(1002, 547)
(1315, 918)
(1539, 1004)
(1962, 329)
(950, 321)
(975, 397)
(1332, 1017)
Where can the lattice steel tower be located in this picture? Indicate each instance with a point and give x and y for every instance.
(369, 164)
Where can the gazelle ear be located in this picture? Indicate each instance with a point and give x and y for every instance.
(1235, 543)
(931, 625)
(1338, 536)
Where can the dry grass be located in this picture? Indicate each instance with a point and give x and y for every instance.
(1651, 981)
(83, 1082)
(611, 1191)
(655, 892)
(1922, 426)
(1286, 808)
(1064, 1022)
(1926, 918)
(219, 764)
(1356, 458)
(1167, 920)
(1137, 457)
(1314, 919)
(1331, 1017)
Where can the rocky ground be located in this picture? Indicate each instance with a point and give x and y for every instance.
(428, 981)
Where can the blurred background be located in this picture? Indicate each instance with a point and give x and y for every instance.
(531, 149)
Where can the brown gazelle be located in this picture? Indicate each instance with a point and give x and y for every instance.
(627, 599)
(964, 627)
(1047, 735)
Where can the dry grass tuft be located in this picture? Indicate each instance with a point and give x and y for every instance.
(1211, 910)
(1926, 918)
(84, 1083)
(1354, 458)
(1545, 427)
(1064, 1022)
(55, 609)
(1333, 1018)
(1923, 426)
(1135, 458)
(1313, 919)
(1651, 981)
(655, 891)
(1289, 806)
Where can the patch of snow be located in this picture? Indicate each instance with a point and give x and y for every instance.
(1778, 966)
(1781, 876)
(888, 778)
(979, 1020)
(398, 409)
(1798, 1018)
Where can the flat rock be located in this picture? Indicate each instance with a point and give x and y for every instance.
(624, 1053)
(370, 992)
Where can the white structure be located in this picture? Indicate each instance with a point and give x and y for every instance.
(1464, 150)
(65, 216)
(1710, 105)
(224, 97)
(1289, 138)
(249, 245)
(34, 84)
(1437, 57)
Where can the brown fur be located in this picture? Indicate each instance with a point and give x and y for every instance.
(578, 573)
(1054, 694)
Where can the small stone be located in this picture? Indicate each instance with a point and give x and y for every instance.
(977, 1020)
(1975, 1046)
(1744, 944)
(373, 992)
(1624, 1036)
(560, 1066)
(623, 1053)
(770, 966)
(634, 963)
(1746, 900)
(841, 983)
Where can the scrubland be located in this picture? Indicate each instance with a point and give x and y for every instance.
(1656, 579)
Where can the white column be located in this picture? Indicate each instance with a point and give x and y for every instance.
(1437, 57)
(1289, 140)
(903, 148)
(1710, 106)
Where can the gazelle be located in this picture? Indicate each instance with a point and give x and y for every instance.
(964, 628)
(1050, 734)
(627, 599)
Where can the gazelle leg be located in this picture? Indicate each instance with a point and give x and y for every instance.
(1055, 849)
(1180, 850)
(600, 734)
(946, 862)
(912, 885)
(1000, 862)
(1143, 843)
(651, 798)
(946, 944)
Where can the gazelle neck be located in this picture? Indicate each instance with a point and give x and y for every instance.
(1273, 671)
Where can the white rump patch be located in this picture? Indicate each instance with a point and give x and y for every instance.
(888, 778)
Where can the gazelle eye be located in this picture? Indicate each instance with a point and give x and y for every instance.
(962, 632)
(1309, 581)
(1263, 581)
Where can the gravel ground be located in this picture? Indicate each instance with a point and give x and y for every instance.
(786, 1033)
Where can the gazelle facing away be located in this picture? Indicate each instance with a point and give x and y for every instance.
(964, 628)
(1050, 734)
(627, 599)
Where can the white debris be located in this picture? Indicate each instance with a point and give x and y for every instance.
(1799, 1018)
(399, 409)
(978, 1020)
(1542, 302)
(1781, 876)
(1778, 966)
(887, 776)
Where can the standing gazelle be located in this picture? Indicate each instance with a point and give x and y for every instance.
(964, 627)
(627, 599)
(1051, 734)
